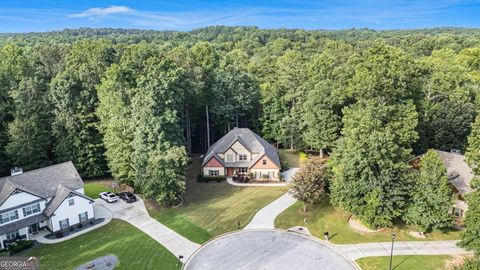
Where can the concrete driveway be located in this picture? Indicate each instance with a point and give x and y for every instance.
(136, 214)
(267, 250)
(288, 174)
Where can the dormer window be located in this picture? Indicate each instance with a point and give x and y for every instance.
(264, 162)
(242, 157)
(71, 202)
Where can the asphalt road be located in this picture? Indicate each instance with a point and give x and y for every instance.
(267, 250)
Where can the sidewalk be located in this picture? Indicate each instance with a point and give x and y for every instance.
(356, 251)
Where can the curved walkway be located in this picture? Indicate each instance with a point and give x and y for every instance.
(137, 215)
(100, 212)
(267, 249)
(265, 217)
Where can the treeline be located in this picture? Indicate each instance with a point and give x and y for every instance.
(135, 104)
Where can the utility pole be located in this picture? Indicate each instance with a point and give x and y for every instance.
(391, 251)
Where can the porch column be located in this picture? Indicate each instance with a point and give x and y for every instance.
(26, 232)
(1, 243)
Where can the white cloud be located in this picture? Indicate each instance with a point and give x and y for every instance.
(101, 12)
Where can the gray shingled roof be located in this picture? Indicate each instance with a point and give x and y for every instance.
(250, 140)
(42, 182)
(458, 171)
(62, 193)
(22, 223)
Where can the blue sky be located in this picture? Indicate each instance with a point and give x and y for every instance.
(46, 15)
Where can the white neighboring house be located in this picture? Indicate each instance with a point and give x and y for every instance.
(47, 198)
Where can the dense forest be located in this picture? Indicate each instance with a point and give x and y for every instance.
(135, 104)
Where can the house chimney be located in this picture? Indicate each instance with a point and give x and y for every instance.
(16, 171)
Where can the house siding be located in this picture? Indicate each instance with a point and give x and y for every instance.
(65, 211)
(17, 199)
(213, 162)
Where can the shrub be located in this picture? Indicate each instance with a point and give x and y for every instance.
(203, 178)
(80, 225)
(59, 234)
(20, 245)
(4, 253)
(303, 157)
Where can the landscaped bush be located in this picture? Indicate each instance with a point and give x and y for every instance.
(4, 253)
(59, 234)
(203, 178)
(16, 247)
(303, 157)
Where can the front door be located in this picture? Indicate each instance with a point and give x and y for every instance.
(33, 228)
(229, 171)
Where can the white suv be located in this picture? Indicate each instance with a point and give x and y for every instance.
(108, 197)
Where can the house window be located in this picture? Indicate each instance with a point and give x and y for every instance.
(230, 157)
(64, 223)
(8, 216)
(71, 202)
(258, 175)
(31, 209)
(12, 235)
(242, 157)
(271, 175)
(213, 172)
(242, 170)
(82, 217)
(264, 162)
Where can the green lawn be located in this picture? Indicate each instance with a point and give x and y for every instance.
(93, 188)
(134, 249)
(324, 217)
(182, 225)
(211, 209)
(412, 262)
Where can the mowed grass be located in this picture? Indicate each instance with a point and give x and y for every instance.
(182, 225)
(93, 188)
(323, 217)
(133, 248)
(211, 209)
(434, 262)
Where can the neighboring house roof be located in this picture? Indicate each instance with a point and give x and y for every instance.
(42, 182)
(250, 140)
(458, 172)
(62, 193)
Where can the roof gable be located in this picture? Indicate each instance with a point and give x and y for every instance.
(249, 139)
(62, 194)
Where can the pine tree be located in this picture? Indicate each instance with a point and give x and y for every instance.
(431, 196)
